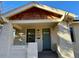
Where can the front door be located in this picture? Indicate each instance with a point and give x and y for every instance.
(46, 39)
(30, 35)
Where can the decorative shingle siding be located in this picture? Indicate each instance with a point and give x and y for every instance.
(35, 13)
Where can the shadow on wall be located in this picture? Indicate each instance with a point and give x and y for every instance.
(65, 47)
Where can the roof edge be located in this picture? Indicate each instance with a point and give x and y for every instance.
(32, 4)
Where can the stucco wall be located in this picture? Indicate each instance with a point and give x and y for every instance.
(65, 48)
(7, 49)
(54, 39)
(76, 37)
(29, 50)
(32, 50)
(5, 40)
(18, 51)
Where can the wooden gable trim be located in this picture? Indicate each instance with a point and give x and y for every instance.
(33, 12)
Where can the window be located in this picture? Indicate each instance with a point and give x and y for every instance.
(72, 34)
(30, 35)
(19, 38)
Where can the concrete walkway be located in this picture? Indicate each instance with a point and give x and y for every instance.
(47, 54)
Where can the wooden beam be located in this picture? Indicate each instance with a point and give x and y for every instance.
(17, 27)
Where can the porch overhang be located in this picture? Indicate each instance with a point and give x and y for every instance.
(21, 24)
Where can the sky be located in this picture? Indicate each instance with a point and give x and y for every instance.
(69, 6)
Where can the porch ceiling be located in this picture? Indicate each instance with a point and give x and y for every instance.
(21, 26)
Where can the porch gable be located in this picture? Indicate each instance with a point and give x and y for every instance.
(35, 13)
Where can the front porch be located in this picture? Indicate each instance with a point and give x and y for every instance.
(35, 32)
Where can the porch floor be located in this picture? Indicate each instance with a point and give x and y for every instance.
(47, 54)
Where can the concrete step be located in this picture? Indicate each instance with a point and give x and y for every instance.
(47, 54)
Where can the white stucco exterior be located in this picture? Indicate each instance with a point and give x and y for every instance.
(75, 27)
(61, 41)
(65, 47)
(6, 39)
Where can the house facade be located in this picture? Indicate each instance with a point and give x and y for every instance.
(34, 28)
